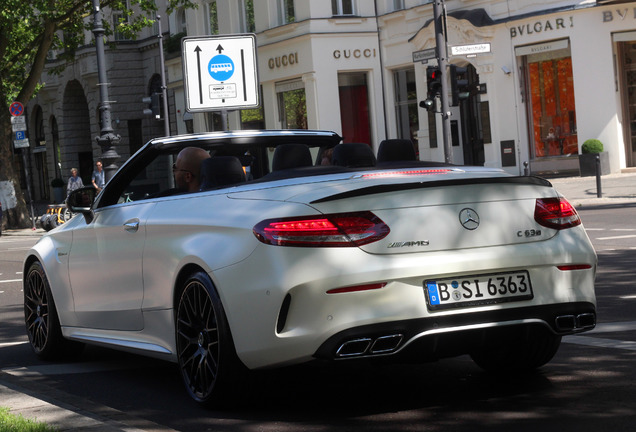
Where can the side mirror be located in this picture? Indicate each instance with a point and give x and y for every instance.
(81, 201)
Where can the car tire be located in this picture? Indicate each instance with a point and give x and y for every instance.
(210, 368)
(41, 318)
(522, 352)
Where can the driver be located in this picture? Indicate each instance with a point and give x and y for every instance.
(187, 168)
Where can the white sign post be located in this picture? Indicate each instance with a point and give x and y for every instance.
(220, 72)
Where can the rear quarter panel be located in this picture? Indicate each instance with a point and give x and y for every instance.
(209, 230)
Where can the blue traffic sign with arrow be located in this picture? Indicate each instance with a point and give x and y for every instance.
(220, 72)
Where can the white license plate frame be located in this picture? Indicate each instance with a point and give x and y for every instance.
(478, 290)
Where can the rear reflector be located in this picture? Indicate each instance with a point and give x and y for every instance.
(331, 230)
(568, 267)
(556, 213)
(356, 288)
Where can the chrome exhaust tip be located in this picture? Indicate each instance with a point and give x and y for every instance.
(586, 320)
(565, 322)
(386, 344)
(578, 322)
(356, 347)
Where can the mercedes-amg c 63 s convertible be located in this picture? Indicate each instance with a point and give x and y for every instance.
(297, 247)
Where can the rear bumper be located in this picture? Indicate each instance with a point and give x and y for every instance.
(452, 335)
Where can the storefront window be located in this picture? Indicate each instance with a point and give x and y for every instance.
(292, 105)
(627, 64)
(354, 107)
(551, 104)
(406, 109)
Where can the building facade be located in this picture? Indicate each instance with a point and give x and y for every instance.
(542, 77)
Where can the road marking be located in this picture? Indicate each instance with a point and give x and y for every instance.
(10, 280)
(616, 237)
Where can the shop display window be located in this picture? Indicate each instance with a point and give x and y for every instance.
(551, 104)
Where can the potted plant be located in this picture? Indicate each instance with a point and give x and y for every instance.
(58, 190)
(587, 159)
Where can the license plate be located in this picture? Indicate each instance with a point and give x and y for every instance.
(477, 290)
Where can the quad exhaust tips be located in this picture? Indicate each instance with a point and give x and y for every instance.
(568, 323)
(368, 346)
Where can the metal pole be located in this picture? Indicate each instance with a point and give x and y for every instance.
(164, 89)
(28, 184)
(599, 192)
(442, 61)
(107, 140)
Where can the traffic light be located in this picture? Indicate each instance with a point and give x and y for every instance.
(434, 81)
(434, 84)
(459, 84)
(154, 105)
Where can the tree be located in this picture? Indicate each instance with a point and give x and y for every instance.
(29, 30)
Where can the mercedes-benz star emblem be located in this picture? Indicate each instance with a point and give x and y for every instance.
(469, 219)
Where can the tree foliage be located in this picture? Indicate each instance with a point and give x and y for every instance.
(29, 30)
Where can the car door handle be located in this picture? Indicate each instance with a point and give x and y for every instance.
(131, 225)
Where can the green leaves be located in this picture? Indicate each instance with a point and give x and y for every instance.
(36, 31)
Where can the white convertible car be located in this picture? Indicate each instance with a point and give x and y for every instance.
(279, 259)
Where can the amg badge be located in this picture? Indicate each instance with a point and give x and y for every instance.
(415, 243)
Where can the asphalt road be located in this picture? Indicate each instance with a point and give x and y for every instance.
(587, 387)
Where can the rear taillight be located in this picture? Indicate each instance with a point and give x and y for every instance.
(556, 213)
(331, 230)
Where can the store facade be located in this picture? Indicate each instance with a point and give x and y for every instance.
(542, 81)
(546, 83)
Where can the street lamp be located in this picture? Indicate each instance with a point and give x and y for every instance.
(107, 140)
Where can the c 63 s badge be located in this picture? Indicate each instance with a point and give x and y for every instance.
(415, 243)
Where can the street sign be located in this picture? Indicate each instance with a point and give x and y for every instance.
(16, 109)
(18, 124)
(220, 72)
(424, 55)
(470, 50)
(21, 143)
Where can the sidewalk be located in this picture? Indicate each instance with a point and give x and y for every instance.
(617, 190)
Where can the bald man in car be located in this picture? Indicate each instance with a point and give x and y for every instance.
(187, 168)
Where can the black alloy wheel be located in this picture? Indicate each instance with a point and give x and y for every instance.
(41, 319)
(206, 354)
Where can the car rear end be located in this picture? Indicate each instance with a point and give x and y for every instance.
(431, 262)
